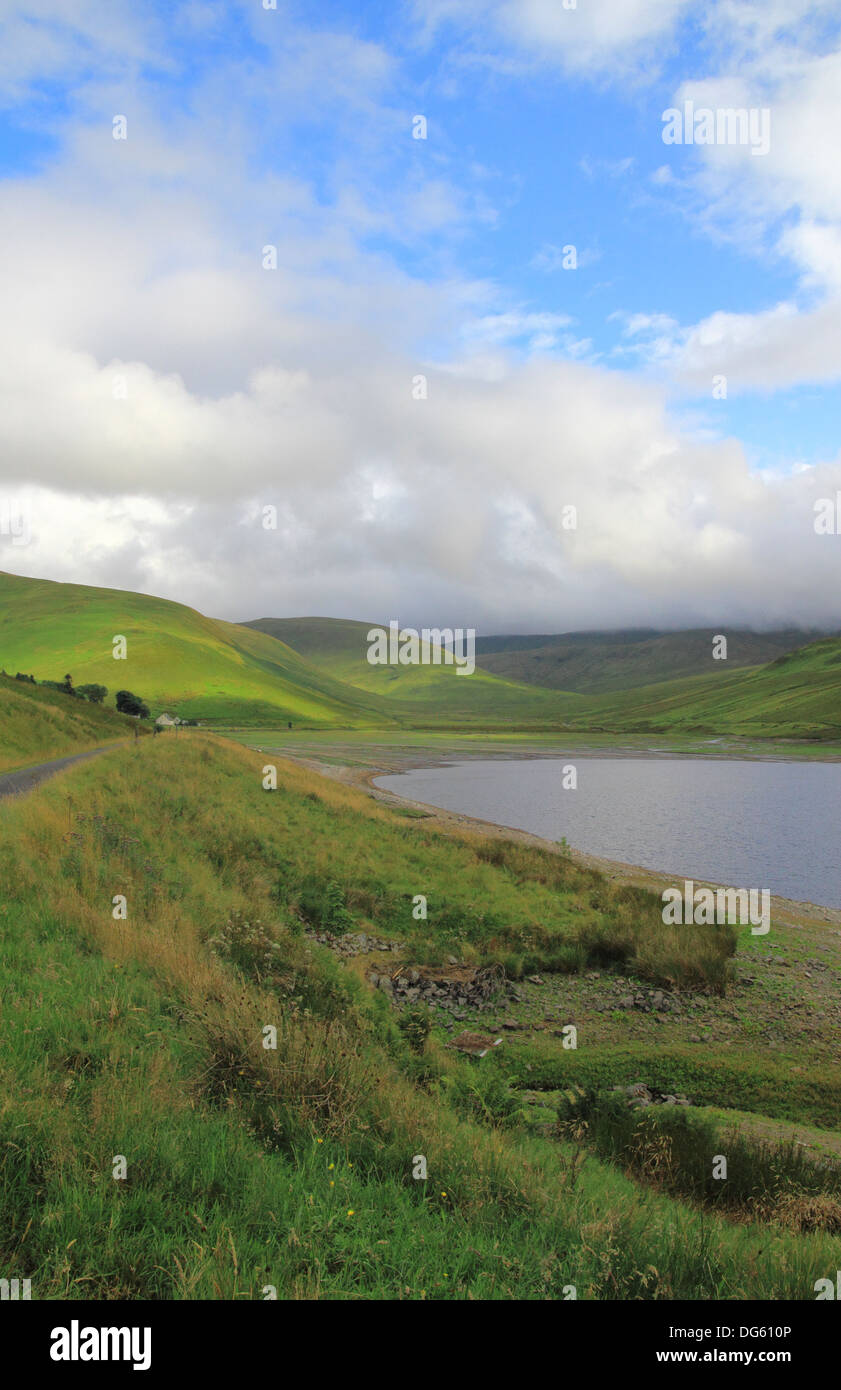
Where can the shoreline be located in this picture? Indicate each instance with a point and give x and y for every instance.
(784, 911)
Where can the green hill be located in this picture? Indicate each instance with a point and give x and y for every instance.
(314, 672)
(293, 1166)
(177, 659)
(624, 680)
(37, 725)
(596, 663)
(224, 673)
(798, 695)
(423, 693)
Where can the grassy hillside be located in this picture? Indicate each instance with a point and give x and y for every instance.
(314, 673)
(177, 659)
(418, 694)
(598, 662)
(38, 725)
(293, 1167)
(798, 695)
(221, 672)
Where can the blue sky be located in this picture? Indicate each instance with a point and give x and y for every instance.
(293, 127)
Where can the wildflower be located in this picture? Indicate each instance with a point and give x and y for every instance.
(351, 1211)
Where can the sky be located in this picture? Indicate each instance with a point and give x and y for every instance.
(411, 312)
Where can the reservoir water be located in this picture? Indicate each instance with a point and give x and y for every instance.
(743, 824)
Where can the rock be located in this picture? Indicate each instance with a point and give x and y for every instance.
(475, 1044)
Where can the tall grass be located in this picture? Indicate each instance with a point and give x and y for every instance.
(251, 1167)
(682, 1153)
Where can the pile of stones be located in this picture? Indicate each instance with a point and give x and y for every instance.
(652, 1001)
(456, 990)
(352, 943)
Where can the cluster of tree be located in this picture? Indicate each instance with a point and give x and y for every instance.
(127, 702)
(94, 693)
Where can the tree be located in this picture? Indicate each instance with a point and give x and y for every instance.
(127, 703)
(95, 693)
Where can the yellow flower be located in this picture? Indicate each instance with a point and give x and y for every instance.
(330, 1167)
(350, 1211)
(319, 1141)
(332, 1184)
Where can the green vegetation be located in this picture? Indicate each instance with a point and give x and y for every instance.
(312, 673)
(129, 703)
(675, 1149)
(38, 724)
(420, 694)
(177, 659)
(596, 663)
(796, 696)
(248, 1166)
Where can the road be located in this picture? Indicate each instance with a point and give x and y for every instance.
(16, 783)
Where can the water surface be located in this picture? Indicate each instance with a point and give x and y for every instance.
(745, 824)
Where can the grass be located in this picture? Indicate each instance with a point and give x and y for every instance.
(424, 694)
(796, 696)
(230, 674)
(176, 659)
(221, 672)
(683, 1152)
(595, 663)
(39, 725)
(250, 1167)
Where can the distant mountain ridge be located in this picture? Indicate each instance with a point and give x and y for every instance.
(585, 663)
(595, 663)
(314, 672)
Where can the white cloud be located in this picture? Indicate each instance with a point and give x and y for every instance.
(158, 387)
(591, 35)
